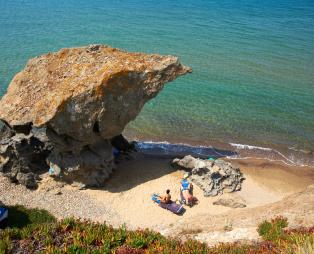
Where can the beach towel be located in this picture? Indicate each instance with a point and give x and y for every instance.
(172, 207)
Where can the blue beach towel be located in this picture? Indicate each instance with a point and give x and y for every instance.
(155, 198)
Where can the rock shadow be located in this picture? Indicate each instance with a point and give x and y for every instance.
(153, 162)
(143, 168)
(21, 217)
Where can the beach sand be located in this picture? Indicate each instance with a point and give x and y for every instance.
(126, 198)
(129, 190)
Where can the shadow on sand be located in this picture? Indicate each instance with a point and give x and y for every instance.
(152, 162)
(141, 169)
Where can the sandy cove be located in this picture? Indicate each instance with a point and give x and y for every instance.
(269, 189)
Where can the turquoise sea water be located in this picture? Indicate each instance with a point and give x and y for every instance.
(253, 63)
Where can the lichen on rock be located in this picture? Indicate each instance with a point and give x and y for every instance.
(82, 98)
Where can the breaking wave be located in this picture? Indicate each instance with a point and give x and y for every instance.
(232, 151)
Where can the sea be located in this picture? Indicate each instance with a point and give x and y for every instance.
(251, 93)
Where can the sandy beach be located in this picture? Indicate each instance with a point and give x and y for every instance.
(105, 103)
(269, 189)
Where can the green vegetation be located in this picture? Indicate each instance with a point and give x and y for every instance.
(20, 225)
(21, 217)
(272, 230)
(36, 231)
(299, 241)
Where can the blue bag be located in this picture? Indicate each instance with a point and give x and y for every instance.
(3, 213)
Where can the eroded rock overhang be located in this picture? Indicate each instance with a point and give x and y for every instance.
(81, 98)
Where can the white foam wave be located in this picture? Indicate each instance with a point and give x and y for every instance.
(270, 154)
(243, 146)
(285, 159)
(169, 148)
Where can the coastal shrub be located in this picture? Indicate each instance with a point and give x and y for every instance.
(76, 236)
(128, 250)
(273, 230)
(20, 225)
(138, 242)
(74, 249)
(304, 247)
(5, 243)
(140, 239)
(119, 236)
(299, 240)
(68, 223)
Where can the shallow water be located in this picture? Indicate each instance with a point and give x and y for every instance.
(253, 63)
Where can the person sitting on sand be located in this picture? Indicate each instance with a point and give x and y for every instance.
(186, 191)
(166, 199)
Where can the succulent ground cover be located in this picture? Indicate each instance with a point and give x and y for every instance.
(36, 231)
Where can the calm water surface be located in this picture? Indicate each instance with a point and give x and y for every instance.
(253, 62)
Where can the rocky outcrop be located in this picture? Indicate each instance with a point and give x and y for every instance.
(22, 156)
(213, 177)
(82, 98)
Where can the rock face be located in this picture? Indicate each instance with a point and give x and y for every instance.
(213, 177)
(82, 98)
(23, 156)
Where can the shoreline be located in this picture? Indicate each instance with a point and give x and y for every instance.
(228, 150)
(126, 199)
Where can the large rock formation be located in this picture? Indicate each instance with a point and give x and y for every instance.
(82, 98)
(213, 177)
